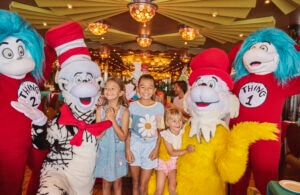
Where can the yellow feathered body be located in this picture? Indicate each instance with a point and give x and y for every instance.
(223, 159)
(213, 164)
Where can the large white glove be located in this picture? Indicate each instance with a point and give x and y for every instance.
(234, 106)
(36, 115)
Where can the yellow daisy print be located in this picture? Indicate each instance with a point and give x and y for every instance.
(147, 126)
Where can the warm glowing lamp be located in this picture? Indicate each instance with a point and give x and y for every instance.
(184, 57)
(188, 33)
(98, 28)
(104, 52)
(142, 10)
(144, 40)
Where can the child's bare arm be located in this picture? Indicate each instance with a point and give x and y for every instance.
(173, 152)
(128, 153)
(154, 154)
(121, 131)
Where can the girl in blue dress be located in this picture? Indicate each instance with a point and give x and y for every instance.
(111, 163)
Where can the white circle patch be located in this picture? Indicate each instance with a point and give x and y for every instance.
(253, 94)
(30, 92)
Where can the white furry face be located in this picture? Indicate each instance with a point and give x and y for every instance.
(262, 58)
(15, 60)
(208, 93)
(80, 85)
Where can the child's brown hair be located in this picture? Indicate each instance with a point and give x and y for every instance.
(122, 99)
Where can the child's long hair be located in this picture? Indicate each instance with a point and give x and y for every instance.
(149, 77)
(122, 99)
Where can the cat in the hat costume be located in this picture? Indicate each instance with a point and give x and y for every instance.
(71, 136)
(220, 154)
(21, 74)
(267, 66)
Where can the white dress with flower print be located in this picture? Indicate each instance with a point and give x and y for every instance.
(145, 120)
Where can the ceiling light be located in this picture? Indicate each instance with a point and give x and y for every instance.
(188, 33)
(104, 52)
(214, 14)
(185, 57)
(142, 10)
(98, 28)
(144, 40)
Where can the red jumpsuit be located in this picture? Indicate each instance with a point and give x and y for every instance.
(262, 100)
(16, 148)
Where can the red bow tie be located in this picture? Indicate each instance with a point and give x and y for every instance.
(67, 118)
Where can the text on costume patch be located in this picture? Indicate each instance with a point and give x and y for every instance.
(253, 94)
(30, 92)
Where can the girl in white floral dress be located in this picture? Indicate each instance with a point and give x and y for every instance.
(147, 117)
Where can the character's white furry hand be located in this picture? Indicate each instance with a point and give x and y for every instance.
(36, 115)
(234, 106)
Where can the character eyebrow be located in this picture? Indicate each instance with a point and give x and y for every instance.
(77, 73)
(18, 40)
(215, 78)
(2, 43)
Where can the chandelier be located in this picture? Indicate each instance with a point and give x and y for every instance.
(144, 40)
(98, 28)
(142, 10)
(188, 33)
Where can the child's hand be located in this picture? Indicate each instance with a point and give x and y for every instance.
(129, 156)
(110, 114)
(190, 148)
(154, 154)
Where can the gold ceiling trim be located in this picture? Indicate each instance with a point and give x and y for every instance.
(230, 33)
(111, 37)
(287, 6)
(174, 40)
(79, 3)
(226, 27)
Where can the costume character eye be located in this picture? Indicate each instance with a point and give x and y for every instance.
(89, 78)
(78, 79)
(264, 48)
(21, 50)
(7, 53)
(211, 83)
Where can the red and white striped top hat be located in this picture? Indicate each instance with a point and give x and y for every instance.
(68, 41)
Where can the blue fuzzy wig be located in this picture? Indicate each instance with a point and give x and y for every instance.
(11, 24)
(289, 57)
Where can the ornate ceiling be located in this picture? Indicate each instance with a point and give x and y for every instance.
(234, 21)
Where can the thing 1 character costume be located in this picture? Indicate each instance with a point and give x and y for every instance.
(71, 135)
(21, 73)
(267, 67)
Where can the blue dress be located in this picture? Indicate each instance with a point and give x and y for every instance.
(111, 163)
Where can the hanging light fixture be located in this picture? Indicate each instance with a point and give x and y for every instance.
(142, 10)
(98, 28)
(185, 57)
(104, 52)
(188, 33)
(144, 40)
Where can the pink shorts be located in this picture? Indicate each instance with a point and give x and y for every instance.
(166, 166)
